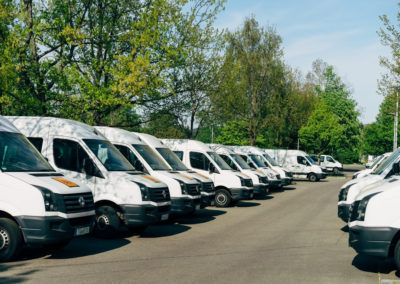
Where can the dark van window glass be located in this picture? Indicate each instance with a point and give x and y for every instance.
(248, 161)
(37, 142)
(68, 155)
(152, 159)
(179, 154)
(199, 161)
(229, 162)
(18, 155)
(174, 162)
(301, 160)
(127, 153)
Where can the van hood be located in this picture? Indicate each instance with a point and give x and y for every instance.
(56, 182)
(138, 177)
(358, 186)
(177, 176)
(380, 186)
(195, 175)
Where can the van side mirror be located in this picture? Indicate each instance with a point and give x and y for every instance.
(211, 168)
(88, 166)
(138, 165)
(396, 169)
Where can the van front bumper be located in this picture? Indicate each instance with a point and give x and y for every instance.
(207, 200)
(242, 193)
(286, 181)
(144, 214)
(260, 189)
(321, 175)
(43, 230)
(344, 211)
(275, 183)
(373, 241)
(184, 205)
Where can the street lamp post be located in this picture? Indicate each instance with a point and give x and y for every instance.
(396, 120)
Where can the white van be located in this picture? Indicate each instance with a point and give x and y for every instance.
(121, 194)
(326, 161)
(231, 186)
(378, 161)
(351, 188)
(165, 153)
(236, 162)
(185, 192)
(284, 175)
(374, 222)
(299, 163)
(371, 160)
(37, 205)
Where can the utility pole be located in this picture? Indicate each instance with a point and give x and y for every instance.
(298, 143)
(396, 120)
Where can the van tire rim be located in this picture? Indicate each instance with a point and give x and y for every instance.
(221, 198)
(103, 222)
(4, 240)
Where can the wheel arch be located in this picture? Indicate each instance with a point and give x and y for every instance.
(223, 187)
(393, 243)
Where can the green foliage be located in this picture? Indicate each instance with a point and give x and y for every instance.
(322, 132)
(163, 126)
(236, 133)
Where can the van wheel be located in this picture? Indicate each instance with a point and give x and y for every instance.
(137, 230)
(107, 222)
(336, 170)
(312, 178)
(11, 240)
(397, 255)
(222, 198)
(56, 246)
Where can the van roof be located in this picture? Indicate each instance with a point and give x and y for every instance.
(150, 140)
(221, 149)
(40, 126)
(292, 152)
(120, 135)
(7, 126)
(247, 149)
(185, 144)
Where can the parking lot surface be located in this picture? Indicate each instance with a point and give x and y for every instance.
(289, 237)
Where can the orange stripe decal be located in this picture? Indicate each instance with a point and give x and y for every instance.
(66, 182)
(189, 178)
(152, 179)
(202, 176)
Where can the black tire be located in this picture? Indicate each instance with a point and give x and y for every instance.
(233, 203)
(336, 170)
(281, 189)
(222, 198)
(318, 179)
(107, 222)
(56, 246)
(397, 255)
(312, 177)
(137, 230)
(11, 240)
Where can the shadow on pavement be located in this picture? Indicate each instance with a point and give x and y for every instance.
(164, 230)
(201, 216)
(371, 264)
(266, 197)
(345, 229)
(78, 247)
(289, 188)
(247, 204)
(19, 278)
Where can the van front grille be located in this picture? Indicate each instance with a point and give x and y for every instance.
(248, 182)
(208, 187)
(73, 202)
(193, 189)
(278, 176)
(159, 194)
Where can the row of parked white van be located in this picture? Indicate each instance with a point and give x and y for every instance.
(370, 204)
(62, 178)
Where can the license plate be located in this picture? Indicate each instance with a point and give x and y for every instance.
(82, 231)
(212, 203)
(164, 217)
(251, 195)
(197, 207)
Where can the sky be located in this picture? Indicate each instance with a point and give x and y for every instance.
(341, 33)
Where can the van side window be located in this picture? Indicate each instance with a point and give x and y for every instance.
(248, 161)
(322, 159)
(37, 142)
(68, 155)
(127, 153)
(179, 154)
(329, 159)
(199, 161)
(229, 162)
(301, 160)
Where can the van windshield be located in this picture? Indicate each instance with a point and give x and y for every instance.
(270, 160)
(220, 162)
(151, 158)
(257, 161)
(311, 160)
(108, 155)
(379, 170)
(172, 159)
(377, 160)
(19, 155)
(240, 161)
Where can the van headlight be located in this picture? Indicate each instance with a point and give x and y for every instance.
(363, 206)
(355, 176)
(144, 191)
(183, 187)
(50, 201)
(242, 182)
(271, 176)
(260, 179)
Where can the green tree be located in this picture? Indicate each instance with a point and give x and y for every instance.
(322, 132)
(236, 133)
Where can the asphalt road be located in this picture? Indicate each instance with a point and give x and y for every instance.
(289, 237)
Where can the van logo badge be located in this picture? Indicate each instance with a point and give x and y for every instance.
(81, 201)
(164, 194)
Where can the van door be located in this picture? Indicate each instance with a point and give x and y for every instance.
(301, 165)
(68, 156)
(330, 163)
(322, 161)
(200, 162)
